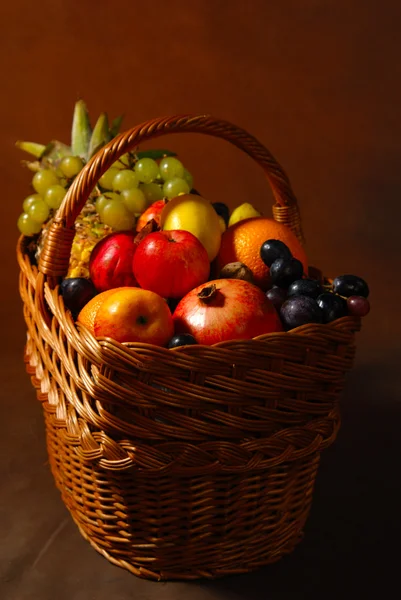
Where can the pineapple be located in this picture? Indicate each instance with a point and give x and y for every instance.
(88, 231)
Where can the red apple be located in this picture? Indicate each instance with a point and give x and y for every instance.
(170, 263)
(225, 309)
(152, 212)
(110, 264)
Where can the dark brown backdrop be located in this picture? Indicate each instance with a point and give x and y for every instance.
(317, 81)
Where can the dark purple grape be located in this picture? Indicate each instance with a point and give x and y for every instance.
(76, 292)
(300, 310)
(184, 339)
(271, 250)
(285, 271)
(222, 210)
(358, 306)
(333, 306)
(350, 285)
(277, 296)
(305, 287)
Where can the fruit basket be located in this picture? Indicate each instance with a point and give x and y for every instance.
(190, 462)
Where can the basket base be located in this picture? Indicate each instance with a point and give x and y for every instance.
(155, 551)
(148, 574)
(261, 521)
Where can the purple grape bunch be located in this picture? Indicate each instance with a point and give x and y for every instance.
(301, 300)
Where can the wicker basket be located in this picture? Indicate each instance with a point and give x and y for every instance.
(187, 463)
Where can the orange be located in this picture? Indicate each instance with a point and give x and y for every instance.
(88, 314)
(242, 242)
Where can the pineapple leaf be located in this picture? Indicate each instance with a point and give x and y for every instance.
(95, 150)
(155, 154)
(115, 126)
(81, 130)
(32, 148)
(33, 166)
(100, 135)
(55, 151)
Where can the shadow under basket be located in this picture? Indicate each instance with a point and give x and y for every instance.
(196, 462)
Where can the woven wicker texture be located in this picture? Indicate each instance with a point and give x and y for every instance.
(185, 463)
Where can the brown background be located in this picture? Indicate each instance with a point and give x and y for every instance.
(318, 82)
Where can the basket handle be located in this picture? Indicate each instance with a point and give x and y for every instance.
(56, 251)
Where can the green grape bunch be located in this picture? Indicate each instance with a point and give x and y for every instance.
(127, 193)
(124, 192)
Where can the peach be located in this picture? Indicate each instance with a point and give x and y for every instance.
(135, 315)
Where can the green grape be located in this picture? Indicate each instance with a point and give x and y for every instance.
(43, 179)
(39, 211)
(54, 195)
(62, 179)
(30, 200)
(170, 168)
(135, 200)
(152, 192)
(188, 178)
(125, 179)
(124, 162)
(116, 215)
(102, 200)
(106, 180)
(175, 187)
(71, 166)
(28, 226)
(147, 170)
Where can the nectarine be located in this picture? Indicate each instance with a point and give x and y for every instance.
(135, 315)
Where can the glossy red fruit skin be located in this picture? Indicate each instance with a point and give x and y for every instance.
(236, 310)
(358, 306)
(170, 263)
(154, 212)
(110, 264)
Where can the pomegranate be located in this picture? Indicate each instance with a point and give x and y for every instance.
(154, 212)
(225, 309)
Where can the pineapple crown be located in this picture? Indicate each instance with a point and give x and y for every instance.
(85, 141)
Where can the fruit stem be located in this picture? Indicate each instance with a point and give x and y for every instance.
(208, 293)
